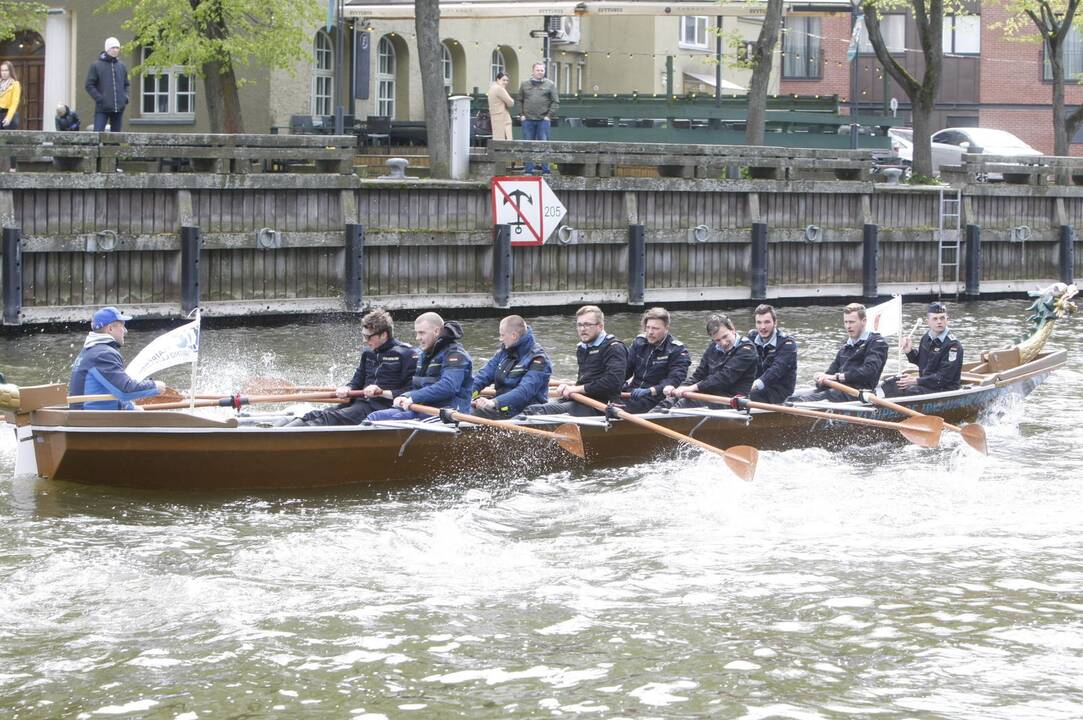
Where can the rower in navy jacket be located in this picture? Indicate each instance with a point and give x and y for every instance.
(99, 369)
(519, 372)
(776, 375)
(443, 376)
(858, 363)
(728, 366)
(603, 364)
(386, 364)
(655, 359)
(939, 358)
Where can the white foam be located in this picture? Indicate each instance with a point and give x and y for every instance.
(132, 707)
(660, 694)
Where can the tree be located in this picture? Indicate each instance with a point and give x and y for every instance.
(761, 57)
(429, 54)
(1053, 21)
(928, 15)
(211, 38)
(16, 15)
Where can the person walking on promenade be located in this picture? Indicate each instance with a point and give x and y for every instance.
(107, 82)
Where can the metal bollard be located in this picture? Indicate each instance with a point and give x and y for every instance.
(637, 264)
(502, 268)
(870, 260)
(972, 261)
(759, 261)
(13, 275)
(354, 269)
(1067, 254)
(190, 247)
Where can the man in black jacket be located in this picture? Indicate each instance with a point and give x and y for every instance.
(727, 368)
(603, 364)
(386, 364)
(66, 120)
(939, 358)
(655, 359)
(776, 375)
(107, 82)
(858, 363)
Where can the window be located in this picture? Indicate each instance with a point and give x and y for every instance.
(694, 31)
(498, 64)
(962, 34)
(446, 66)
(801, 48)
(893, 30)
(385, 78)
(1073, 57)
(167, 91)
(553, 73)
(322, 76)
(580, 69)
(566, 76)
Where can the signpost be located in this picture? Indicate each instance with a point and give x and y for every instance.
(528, 206)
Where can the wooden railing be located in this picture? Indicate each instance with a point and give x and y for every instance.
(600, 159)
(200, 152)
(1015, 170)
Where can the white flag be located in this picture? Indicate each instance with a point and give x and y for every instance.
(885, 318)
(176, 347)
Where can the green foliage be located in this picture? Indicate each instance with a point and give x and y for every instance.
(16, 15)
(923, 180)
(273, 34)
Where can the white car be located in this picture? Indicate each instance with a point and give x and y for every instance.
(950, 144)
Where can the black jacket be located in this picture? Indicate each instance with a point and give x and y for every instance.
(602, 369)
(68, 121)
(776, 367)
(861, 363)
(391, 366)
(656, 367)
(940, 364)
(729, 373)
(107, 82)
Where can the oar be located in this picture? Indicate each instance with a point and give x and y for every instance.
(265, 385)
(566, 435)
(924, 431)
(235, 401)
(741, 459)
(973, 434)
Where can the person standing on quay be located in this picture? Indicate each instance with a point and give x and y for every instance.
(500, 103)
(10, 95)
(539, 100)
(107, 82)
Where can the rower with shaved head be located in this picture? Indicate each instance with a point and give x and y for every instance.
(443, 377)
(519, 373)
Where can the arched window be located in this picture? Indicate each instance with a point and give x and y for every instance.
(447, 66)
(385, 78)
(498, 63)
(322, 75)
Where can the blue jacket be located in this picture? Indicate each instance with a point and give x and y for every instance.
(520, 375)
(443, 376)
(99, 370)
(391, 366)
(657, 367)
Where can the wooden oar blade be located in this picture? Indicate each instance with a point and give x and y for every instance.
(923, 430)
(974, 436)
(742, 460)
(571, 439)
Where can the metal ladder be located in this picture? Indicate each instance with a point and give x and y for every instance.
(949, 237)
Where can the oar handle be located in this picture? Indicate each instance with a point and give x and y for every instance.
(473, 419)
(870, 396)
(804, 412)
(630, 417)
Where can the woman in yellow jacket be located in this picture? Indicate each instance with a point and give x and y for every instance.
(10, 95)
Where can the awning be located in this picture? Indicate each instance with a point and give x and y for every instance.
(708, 80)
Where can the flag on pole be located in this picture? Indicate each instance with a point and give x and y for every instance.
(176, 347)
(855, 37)
(885, 318)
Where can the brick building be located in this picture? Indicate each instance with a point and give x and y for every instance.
(988, 80)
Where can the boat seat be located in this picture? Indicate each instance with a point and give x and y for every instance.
(124, 418)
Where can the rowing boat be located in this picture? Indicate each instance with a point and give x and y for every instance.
(177, 450)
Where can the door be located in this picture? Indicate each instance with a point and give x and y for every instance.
(26, 53)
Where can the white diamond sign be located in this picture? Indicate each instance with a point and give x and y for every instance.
(528, 206)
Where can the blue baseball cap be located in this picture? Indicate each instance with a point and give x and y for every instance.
(107, 315)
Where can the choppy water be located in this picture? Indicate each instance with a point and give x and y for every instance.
(887, 582)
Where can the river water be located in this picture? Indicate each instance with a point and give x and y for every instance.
(882, 582)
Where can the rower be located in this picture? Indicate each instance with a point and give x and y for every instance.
(655, 359)
(727, 367)
(519, 372)
(776, 373)
(386, 364)
(939, 358)
(443, 375)
(858, 363)
(603, 364)
(99, 369)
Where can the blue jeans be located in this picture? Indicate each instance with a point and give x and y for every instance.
(112, 118)
(535, 130)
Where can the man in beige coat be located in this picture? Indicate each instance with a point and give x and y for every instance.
(500, 103)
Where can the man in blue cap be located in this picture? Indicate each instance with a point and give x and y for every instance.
(939, 358)
(99, 369)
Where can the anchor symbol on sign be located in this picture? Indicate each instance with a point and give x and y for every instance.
(517, 196)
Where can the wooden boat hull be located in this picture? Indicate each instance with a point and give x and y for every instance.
(176, 451)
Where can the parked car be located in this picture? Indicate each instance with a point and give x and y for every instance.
(950, 144)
